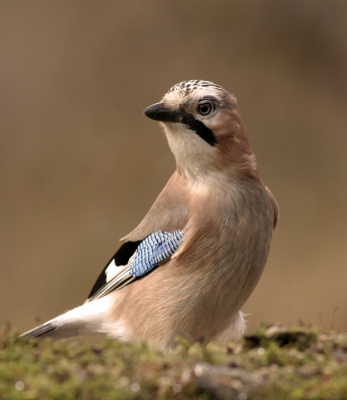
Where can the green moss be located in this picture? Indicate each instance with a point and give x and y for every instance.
(271, 363)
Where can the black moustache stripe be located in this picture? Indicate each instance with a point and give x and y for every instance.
(199, 128)
(159, 113)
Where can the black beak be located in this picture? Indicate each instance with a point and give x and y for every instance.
(159, 113)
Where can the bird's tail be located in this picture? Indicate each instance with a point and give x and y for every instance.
(84, 320)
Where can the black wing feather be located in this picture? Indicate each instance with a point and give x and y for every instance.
(121, 257)
(40, 330)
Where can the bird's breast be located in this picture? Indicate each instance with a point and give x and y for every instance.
(227, 241)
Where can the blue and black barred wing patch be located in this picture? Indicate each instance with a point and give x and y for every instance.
(140, 258)
(154, 249)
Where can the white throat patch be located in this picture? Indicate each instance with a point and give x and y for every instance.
(193, 155)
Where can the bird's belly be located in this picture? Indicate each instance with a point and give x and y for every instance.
(182, 301)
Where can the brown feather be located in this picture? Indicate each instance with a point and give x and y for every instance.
(168, 213)
(217, 197)
(201, 289)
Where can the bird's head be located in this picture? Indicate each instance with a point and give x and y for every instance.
(204, 130)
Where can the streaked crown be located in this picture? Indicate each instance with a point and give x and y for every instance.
(187, 87)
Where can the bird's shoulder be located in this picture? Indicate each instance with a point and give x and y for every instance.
(169, 212)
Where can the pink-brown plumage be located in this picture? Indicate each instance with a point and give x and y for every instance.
(218, 200)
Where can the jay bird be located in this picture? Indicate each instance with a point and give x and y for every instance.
(196, 257)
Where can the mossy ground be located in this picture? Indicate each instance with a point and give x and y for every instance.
(271, 363)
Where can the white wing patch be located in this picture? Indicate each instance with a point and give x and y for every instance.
(111, 271)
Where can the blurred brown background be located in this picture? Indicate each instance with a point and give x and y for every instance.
(81, 165)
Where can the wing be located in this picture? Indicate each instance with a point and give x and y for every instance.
(168, 213)
(121, 258)
(120, 278)
(155, 249)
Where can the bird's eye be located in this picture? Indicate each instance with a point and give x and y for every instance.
(205, 108)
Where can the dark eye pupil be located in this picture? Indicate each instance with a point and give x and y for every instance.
(205, 108)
